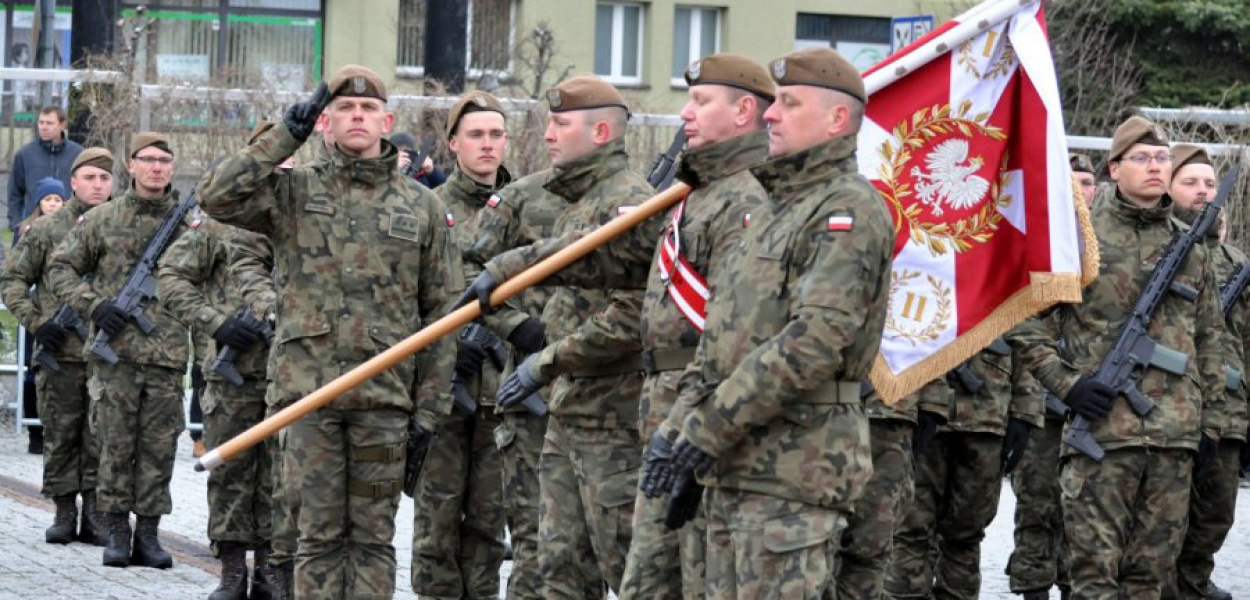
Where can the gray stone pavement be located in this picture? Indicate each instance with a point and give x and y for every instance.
(30, 568)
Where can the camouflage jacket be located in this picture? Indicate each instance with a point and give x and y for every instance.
(28, 266)
(935, 397)
(792, 329)
(1130, 241)
(107, 242)
(1226, 259)
(1007, 391)
(362, 259)
(198, 284)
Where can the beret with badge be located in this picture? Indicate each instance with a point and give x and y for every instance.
(355, 80)
(1135, 130)
(734, 70)
(97, 157)
(584, 92)
(1080, 163)
(148, 139)
(471, 102)
(819, 66)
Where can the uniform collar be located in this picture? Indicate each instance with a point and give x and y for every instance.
(821, 162)
(572, 182)
(715, 161)
(1140, 217)
(476, 192)
(375, 170)
(153, 205)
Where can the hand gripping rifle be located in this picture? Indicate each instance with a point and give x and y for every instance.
(141, 285)
(223, 364)
(498, 352)
(69, 320)
(1133, 351)
(665, 166)
(414, 166)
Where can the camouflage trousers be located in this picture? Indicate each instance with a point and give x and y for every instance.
(347, 467)
(1212, 503)
(240, 491)
(1124, 518)
(136, 417)
(1040, 558)
(519, 439)
(761, 546)
(588, 478)
(284, 537)
(71, 458)
(937, 548)
(458, 524)
(866, 545)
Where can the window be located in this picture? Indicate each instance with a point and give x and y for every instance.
(490, 34)
(696, 33)
(618, 42)
(864, 41)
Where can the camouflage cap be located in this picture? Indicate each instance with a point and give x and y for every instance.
(1189, 154)
(97, 157)
(820, 66)
(471, 102)
(734, 70)
(260, 129)
(583, 92)
(1136, 130)
(355, 80)
(149, 138)
(1080, 162)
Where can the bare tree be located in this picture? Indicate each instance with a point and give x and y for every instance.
(1098, 75)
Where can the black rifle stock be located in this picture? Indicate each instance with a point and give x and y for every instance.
(141, 285)
(223, 363)
(665, 166)
(1133, 350)
(498, 352)
(965, 378)
(69, 320)
(414, 166)
(1232, 289)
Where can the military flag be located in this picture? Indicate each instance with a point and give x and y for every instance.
(964, 138)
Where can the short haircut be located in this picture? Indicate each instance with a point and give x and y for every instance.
(616, 117)
(53, 109)
(854, 105)
(761, 104)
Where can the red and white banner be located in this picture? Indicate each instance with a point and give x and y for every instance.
(964, 138)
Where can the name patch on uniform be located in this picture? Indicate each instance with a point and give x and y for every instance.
(840, 223)
(323, 209)
(624, 208)
(404, 227)
(494, 200)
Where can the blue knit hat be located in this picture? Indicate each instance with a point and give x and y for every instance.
(50, 185)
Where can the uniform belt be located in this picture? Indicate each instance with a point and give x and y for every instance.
(386, 453)
(374, 489)
(632, 364)
(666, 359)
(832, 392)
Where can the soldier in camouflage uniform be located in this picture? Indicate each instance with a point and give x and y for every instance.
(778, 430)
(897, 433)
(589, 466)
(198, 284)
(1214, 499)
(136, 403)
(70, 455)
(362, 258)
(1126, 515)
(937, 548)
(458, 528)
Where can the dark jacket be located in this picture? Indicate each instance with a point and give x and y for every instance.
(33, 162)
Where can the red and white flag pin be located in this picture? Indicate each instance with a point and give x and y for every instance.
(746, 220)
(451, 220)
(494, 200)
(841, 223)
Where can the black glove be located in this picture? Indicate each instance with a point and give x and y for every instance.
(519, 385)
(683, 505)
(109, 318)
(51, 336)
(691, 459)
(301, 117)
(481, 289)
(418, 444)
(1014, 443)
(1206, 458)
(529, 337)
(1090, 399)
(236, 334)
(469, 358)
(657, 468)
(927, 424)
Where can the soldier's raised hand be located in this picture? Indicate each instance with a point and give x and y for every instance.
(301, 117)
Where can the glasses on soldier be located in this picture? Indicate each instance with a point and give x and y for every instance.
(1162, 158)
(151, 160)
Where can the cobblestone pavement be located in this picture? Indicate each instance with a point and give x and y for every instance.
(31, 569)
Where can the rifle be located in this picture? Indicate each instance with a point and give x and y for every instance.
(1232, 289)
(965, 378)
(414, 457)
(414, 167)
(69, 320)
(662, 171)
(141, 285)
(1055, 405)
(1133, 350)
(223, 364)
(498, 351)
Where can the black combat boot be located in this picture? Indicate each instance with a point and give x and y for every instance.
(1215, 592)
(233, 572)
(62, 529)
(147, 551)
(284, 580)
(1036, 595)
(92, 529)
(117, 551)
(264, 583)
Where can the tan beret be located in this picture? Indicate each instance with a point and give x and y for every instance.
(475, 101)
(820, 66)
(1189, 154)
(1080, 162)
(97, 157)
(149, 138)
(583, 92)
(259, 130)
(355, 80)
(733, 70)
(1136, 130)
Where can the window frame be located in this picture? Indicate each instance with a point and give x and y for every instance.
(617, 50)
(693, 51)
(471, 72)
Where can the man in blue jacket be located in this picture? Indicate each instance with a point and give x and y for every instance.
(51, 155)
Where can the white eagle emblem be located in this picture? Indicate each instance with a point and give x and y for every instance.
(950, 178)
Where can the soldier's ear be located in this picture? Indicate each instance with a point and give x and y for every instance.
(388, 122)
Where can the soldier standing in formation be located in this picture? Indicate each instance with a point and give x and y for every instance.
(137, 402)
(362, 257)
(71, 457)
(1125, 515)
